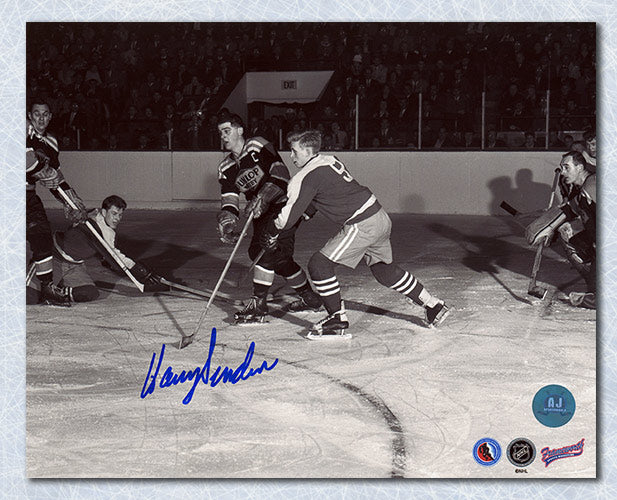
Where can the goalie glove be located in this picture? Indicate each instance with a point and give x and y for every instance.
(268, 193)
(544, 226)
(227, 224)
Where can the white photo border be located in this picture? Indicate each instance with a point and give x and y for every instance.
(15, 15)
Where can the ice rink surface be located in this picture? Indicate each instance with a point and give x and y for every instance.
(397, 400)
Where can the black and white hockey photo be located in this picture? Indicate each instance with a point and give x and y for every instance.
(311, 250)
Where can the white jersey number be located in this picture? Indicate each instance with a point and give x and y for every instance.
(340, 169)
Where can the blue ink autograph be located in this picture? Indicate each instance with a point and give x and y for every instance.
(224, 375)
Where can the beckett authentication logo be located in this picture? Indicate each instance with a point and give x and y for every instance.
(521, 452)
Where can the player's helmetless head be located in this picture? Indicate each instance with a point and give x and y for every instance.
(573, 168)
(112, 210)
(40, 116)
(303, 146)
(231, 131)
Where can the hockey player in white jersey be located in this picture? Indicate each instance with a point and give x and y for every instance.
(325, 183)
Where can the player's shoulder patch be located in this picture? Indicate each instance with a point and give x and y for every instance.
(257, 140)
(255, 144)
(52, 141)
(225, 164)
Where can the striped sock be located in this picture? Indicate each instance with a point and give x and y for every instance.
(403, 282)
(330, 292)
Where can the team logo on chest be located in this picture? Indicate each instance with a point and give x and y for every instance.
(249, 178)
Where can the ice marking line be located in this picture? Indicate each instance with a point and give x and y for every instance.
(224, 375)
(398, 446)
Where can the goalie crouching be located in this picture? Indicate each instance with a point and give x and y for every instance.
(575, 221)
(73, 252)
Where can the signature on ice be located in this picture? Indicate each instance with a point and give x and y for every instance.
(202, 374)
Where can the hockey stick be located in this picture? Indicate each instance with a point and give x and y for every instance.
(188, 339)
(513, 212)
(250, 269)
(184, 288)
(534, 289)
(30, 273)
(201, 293)
(102, 241)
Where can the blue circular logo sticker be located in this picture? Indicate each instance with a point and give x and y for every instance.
(553, 406)
(487, 452)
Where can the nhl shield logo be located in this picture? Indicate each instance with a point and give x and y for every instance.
(521, 452)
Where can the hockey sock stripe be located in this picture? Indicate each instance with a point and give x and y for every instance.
(263, 276)
(297, 280)
(411, 288)
(300, 286)
(406, 284)
(327, 288)
(44, 266)
(318, 283)
(401, 281)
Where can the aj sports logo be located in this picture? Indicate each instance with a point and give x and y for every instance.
(553, 405)
(487, 452)
(521, 452)
(574, 450)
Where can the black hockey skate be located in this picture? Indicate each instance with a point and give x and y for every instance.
(437, 314)
(53, 295)
(308, 301)
(332, 326)
(255, 311)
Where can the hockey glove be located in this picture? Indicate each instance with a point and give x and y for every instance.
(544, 226)
(227, 224)
(269, 240)
(48, 177)
(267, 194)
(72, 215)
(145, 275)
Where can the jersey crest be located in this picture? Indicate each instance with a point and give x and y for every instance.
(249, 178)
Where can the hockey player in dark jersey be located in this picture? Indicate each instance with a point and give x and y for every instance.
(575, 220)
(43, 166)
(324, 183)
(254, 167)
(76, 248)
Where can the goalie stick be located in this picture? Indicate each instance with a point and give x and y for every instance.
(533, 289)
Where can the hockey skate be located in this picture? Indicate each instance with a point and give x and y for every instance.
(308, 301)
(332, 327)
(53, 295)
(255, 311)
(437, 314)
